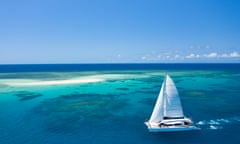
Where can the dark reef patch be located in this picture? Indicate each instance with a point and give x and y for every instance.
(232, 88)
(131, 85)
(157, 86)
(197, 93)
(146, 88)
(147, 101)
(124, 89)
(216, 101)
(178, 80)
(35, 75)
(153, 79)
(66, 112)
(146, 91)
(25, 95)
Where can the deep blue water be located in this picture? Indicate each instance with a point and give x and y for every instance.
(101, 67)
(108, 103)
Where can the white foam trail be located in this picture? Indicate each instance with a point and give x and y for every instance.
(212, 127)
(217, 123)
(236, 119)
(214, 122)
(223, 120)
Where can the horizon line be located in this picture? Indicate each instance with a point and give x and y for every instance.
(120, 63)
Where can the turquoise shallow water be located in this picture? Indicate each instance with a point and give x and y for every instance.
(63, 107)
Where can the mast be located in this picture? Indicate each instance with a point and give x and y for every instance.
(164, 98)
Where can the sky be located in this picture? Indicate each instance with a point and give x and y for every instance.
(119, 31)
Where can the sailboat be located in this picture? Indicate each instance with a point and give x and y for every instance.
(168, 114)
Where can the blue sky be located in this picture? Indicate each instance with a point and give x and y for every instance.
(119, 31)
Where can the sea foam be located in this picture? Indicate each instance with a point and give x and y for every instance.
(217, 123)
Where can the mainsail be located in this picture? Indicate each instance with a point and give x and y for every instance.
(168, 103)
(173, 107)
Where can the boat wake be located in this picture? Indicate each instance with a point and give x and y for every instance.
(217, 123)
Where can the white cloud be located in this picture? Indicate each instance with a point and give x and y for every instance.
(193, 56)
(143, 57)
(234, 54)
(118, 56)
(211, 55)
(224, 55)
(215, 55)
(177, 56)
(167, 57)
(230, 55)
(190, 56)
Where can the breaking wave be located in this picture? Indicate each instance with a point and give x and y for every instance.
(217, 123)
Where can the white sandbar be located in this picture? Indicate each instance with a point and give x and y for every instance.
(52, 82)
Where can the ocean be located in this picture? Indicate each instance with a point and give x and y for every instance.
(109, 103)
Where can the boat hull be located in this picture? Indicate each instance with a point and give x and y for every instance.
(154, 127)
(172, 129)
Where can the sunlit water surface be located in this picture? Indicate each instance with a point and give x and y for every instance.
(111, 106)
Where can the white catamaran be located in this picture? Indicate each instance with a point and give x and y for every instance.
(167, 114)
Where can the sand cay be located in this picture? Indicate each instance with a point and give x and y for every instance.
(52, 82)
(76, 80)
